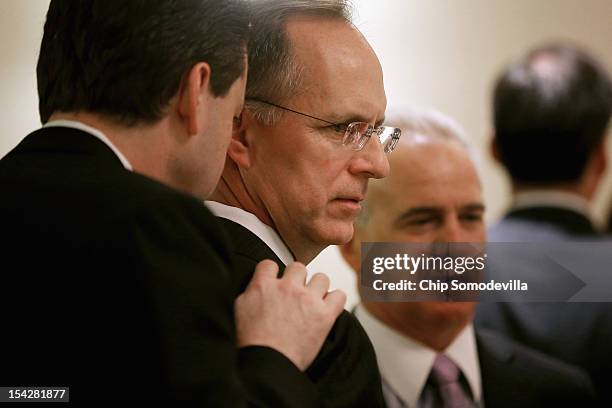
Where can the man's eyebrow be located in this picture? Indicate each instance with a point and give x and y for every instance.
(350, 118)
(474, 207)
(429, 211)
(420, 210)
(346, 119)
(417, 211)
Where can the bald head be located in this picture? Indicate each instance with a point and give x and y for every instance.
(344, 62)
(274, 73)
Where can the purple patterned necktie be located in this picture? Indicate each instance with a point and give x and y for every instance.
(445, 390)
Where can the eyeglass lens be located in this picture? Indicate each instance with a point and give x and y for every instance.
(358, 133)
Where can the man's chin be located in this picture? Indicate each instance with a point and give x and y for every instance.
(338, 234)
(449, 311)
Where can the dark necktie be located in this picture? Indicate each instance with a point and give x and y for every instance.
(444, 388)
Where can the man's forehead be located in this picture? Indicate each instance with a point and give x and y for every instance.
(430, 157)
(425, 195)
(420, 173)
(341, 75)
(316, 28)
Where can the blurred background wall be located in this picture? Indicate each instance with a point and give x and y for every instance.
(21, 27)
(439, 53)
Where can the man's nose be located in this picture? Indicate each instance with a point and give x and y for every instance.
(451, 231)
(371, 160)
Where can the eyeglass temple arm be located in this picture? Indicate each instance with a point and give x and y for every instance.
(291, 110)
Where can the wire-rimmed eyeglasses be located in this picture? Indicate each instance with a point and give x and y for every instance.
(356, 134)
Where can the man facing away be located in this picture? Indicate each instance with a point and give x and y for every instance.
(116, 281)
(429, 353)
(306, 144)
(551, 111)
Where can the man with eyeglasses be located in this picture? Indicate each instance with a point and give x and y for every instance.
(302, 153)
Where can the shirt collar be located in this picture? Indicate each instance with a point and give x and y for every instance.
(94, 132)
(552, 198)
(249, 221)
(405, 364)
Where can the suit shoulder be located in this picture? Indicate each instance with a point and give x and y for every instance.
(518, 230)
(180, 217)
(140, 194)
(528, 373)
(346, 366)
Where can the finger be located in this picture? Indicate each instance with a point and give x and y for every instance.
(319, 284)
(265, 270)
(296, 273)
(336, 300)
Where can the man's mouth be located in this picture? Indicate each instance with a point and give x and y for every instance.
(351, 203)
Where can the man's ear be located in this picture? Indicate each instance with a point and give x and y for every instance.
(351, 252)
(495, 149)
(238, 149)
(602, 157)
(193, 98)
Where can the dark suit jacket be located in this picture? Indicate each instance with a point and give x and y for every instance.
(345, 370)
(121, 288)
(516, 376)
(579, 333)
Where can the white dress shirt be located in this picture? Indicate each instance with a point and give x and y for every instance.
(249, 221)
(94, 132)
(405, 363)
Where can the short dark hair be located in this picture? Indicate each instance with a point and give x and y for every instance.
(274, 75)
(126, 59)
(550, 112)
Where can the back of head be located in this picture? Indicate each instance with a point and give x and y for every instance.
(274, 75)
(126, 59)
(550, 112)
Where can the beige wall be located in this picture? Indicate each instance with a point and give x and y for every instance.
(21, 27)
(439, 53)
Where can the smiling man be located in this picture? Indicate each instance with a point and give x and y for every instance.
(300, 160)
(429, 353)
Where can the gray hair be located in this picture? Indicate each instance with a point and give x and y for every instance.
(421, 125)
(274, 75)
(425, 123)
